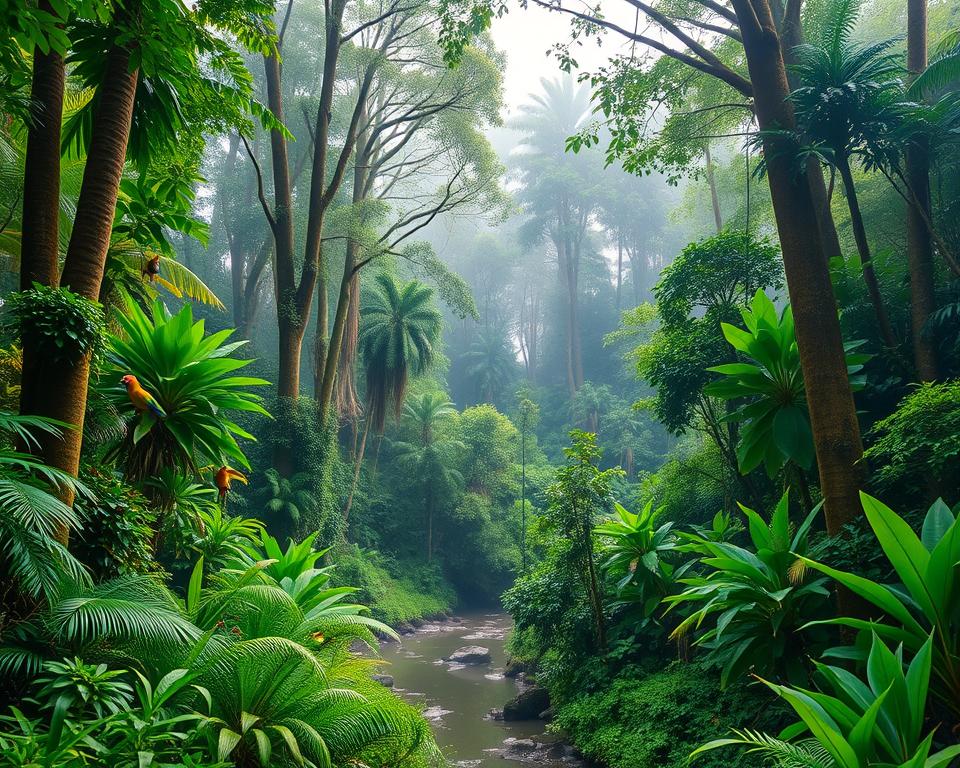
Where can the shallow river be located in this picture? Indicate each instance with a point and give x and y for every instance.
(457, 699)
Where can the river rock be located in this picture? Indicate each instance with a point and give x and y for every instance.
(385, 680)
(515, 668)
(527, 705)
(512, 744)
(470, 654)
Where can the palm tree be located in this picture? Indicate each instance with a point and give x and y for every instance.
(288, 499)
(431, 461)
(399, 330)
(845, 107)
(491, 363)
(143, 64)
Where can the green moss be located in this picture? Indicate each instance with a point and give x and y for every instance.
(657, 720)
(397, 592)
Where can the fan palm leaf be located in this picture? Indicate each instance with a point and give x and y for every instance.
(399, 330)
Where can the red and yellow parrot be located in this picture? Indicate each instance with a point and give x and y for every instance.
(223, 478)
(142, 400)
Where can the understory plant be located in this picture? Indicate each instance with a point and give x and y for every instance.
(852, 723)
(768, 381)
(641, 555)
(922, 607)
(753, 602)
(191, 375)
(259, 653)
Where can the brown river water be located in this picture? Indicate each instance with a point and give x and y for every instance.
(457, 699)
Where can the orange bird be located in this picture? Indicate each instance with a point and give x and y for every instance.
(142, 400)
(223, 478)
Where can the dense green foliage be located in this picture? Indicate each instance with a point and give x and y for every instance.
(300, 350)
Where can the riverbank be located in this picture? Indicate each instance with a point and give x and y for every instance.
(402, 594)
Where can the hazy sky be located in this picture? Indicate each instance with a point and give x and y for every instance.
(526, 36)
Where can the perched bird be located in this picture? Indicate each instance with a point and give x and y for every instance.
(151, 269)
(141, 399)
(223, 478)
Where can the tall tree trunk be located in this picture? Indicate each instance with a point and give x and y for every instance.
(788, 20)
(40, 223)
(711, 182)
(61, 391)
(39, 242)
(833, 418)
(619, 270)
(290, 323)
(923, 298)
(356, 471)
(887, 335)
(237, 259)
(428, 503)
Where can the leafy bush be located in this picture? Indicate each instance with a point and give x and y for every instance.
(759, 598)
(56, 322)
(641, 555)
(117, 534)
(924, 604)
(775, 425)
(655, 720)
(916, 449)
(852, 723)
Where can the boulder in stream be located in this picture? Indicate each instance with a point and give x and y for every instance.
(527, 705)
(470, 654)
(385, 680)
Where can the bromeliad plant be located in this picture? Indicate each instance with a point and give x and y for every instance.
(641, 556)
(925, 602)
(851, 723)
(756, 599)
(774, 422)
(190, 375)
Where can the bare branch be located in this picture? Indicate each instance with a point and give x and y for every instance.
(260, 193)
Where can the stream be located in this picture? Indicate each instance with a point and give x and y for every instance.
(457, 699)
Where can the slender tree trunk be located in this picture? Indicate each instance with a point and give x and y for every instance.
(356, 471)
(237, 260)
(290, 324)
(923, 298)
(428, 503)
(523, 494)
(574, 288)
(711, 182)
(887, 335)
(40, 223)
(619, 270)
(61, 391)
(836, 432)
(593, 583)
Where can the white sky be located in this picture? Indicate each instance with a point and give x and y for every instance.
(527, 35)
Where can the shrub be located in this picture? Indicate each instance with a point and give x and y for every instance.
(916, 452)
(656, 720)
(117, 529)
